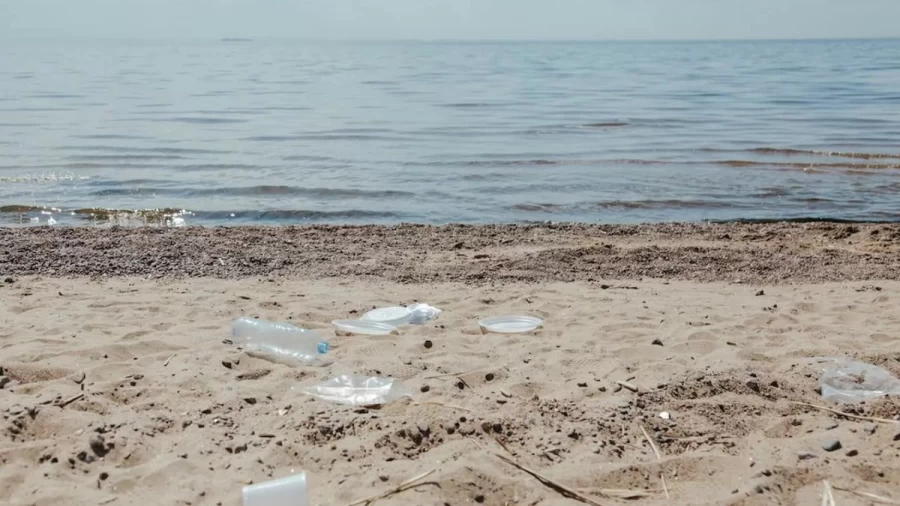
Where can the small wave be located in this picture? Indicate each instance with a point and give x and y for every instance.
(109, 136)
(626, 205)
(50, 177)
(288, 215)
(252, 191)
(124, 157)
(326, 137)
(841, 154)
(132, 149)
(202, 121)
(609, 124)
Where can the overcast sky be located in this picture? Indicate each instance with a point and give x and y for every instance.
(452, 19)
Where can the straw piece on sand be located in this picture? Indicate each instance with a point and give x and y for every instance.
(848, 415)
(406, 485)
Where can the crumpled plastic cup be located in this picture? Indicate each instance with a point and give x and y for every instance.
(851, 382)
(355, 390)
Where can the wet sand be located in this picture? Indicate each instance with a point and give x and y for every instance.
(119, 389)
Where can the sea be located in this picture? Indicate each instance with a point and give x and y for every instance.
(238, 132)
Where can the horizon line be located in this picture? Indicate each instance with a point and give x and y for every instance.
(248, 38)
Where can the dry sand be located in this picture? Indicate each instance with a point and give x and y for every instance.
(171, 414)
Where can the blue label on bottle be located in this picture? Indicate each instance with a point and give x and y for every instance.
(322, 347)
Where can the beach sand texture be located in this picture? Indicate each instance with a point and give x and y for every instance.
(159, 410)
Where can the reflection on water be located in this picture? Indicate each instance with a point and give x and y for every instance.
(293, 132)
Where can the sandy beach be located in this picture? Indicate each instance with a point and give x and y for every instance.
(121, 387)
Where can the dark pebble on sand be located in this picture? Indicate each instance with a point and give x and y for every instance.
(98, 445)
(425, 388)
(657, 342)
(227, 364)
(489, 376)
(479, 499)
(830, 445)
(760, 293)
(9, 280)
(428, 344)
(104, 476)
(804, 455)
(852, 453)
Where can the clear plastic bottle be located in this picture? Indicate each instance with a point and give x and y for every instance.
(281, 342)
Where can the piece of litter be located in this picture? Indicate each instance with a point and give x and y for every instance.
(288, 491)
(665, 415)
(358, 390)
(852, 382)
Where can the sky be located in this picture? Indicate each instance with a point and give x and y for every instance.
(452, 19)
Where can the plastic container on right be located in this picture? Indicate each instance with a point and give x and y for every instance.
(851, 382)
(279, 342)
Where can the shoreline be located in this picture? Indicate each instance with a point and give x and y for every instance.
(760, 253)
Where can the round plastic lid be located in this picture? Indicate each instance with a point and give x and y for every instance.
(396, 315)
(512, 324)
(365, 327)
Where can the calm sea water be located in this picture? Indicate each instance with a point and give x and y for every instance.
(238, 132)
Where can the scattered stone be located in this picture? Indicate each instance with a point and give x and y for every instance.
(759, 489)
(384, 477)
(489, 376)
(4, 381)
(479, 498)
(852, 452)
(604, 287)
(425, 388)
(760, 293)
(486, 426)
(227, 364)
(103, 476)
(870, 429)
(805, 455)
(582, 385)
(897, 436)
(98, 445)
(250, 400)
(730, 343)
(830, 445)
(325, 430)
(78, 377)
(85, 457)
(9, 281)
(428, 344)
(186, 423)
(240, 448)
(753, 385)
(657, 342)
(831, 426)
(424, 429)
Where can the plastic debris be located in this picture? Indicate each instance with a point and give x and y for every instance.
(288, 491)
(852, 382)
(513, 324)
(415, 314)
(665, 415)
(364, 327)
(279, 342)
(358, 390)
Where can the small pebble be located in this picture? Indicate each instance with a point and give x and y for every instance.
(830, 445)
(657, 342)
(428, 344)
(227, 364)
(870, 430)
(103, 476)
(98, 445)
(760, 293)
(804, 455)
(479, 498)
(852, 453)
(384, 477)
(489, 376)
(424, 388)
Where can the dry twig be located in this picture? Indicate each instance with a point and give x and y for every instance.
(406, 485)
(451, 406)
(561, 489)
(457, 374)
(70, 400)
(870, 496)
(848, 415)
(629, 386)
(658, 458)
(166, 363)
(827, 495)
